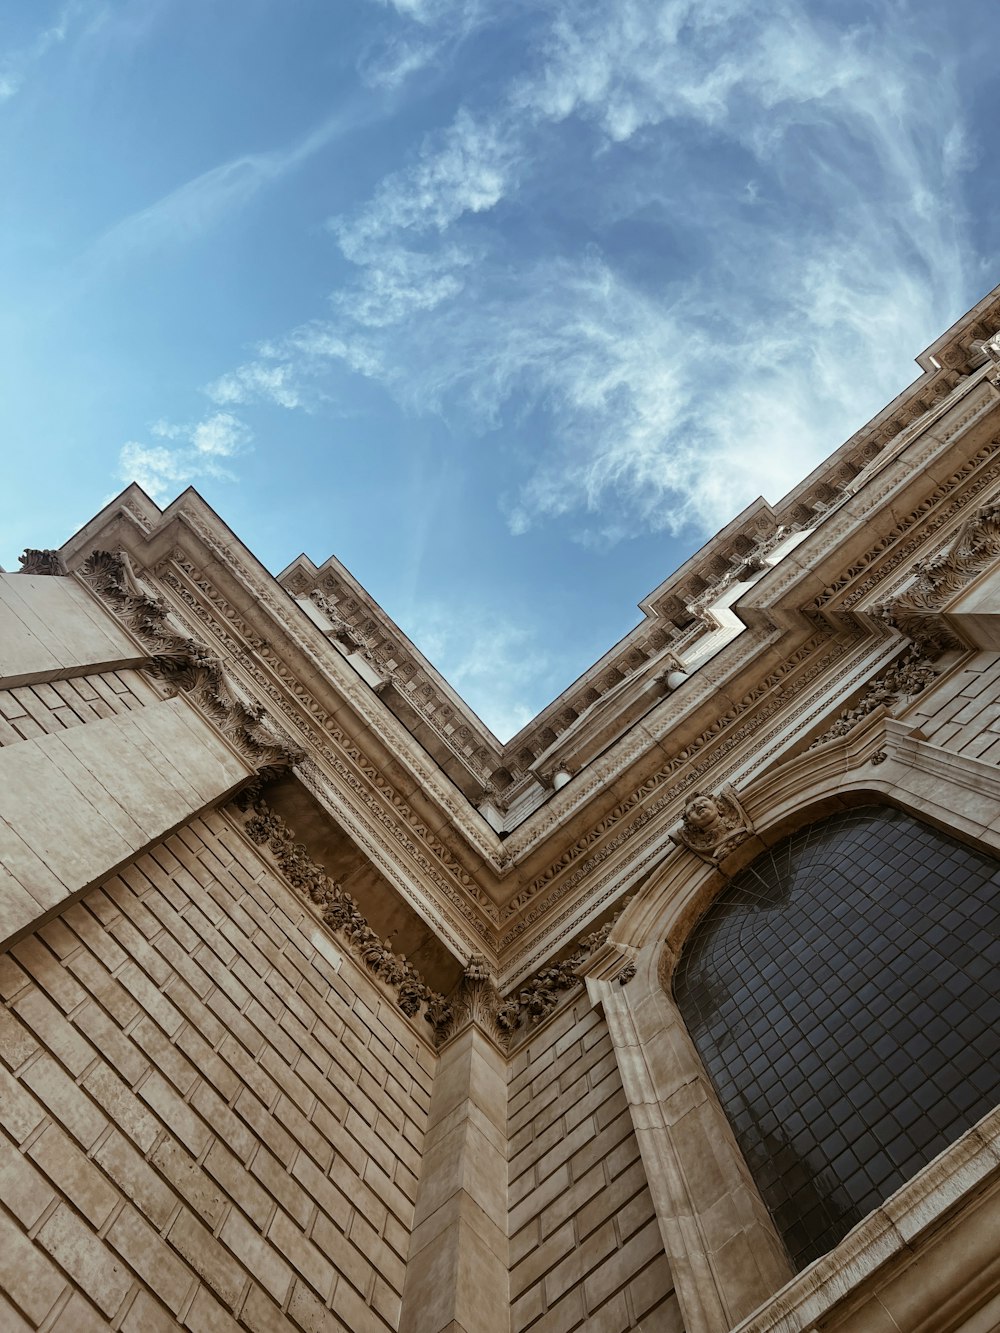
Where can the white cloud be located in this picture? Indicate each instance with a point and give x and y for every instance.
(254, 381)
(289, 371)
(156, 468)
(194, 452)
(220, 435)
(817, 270)
(671, 408)
(465, 169)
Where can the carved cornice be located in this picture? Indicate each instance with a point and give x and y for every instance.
(407, 866)
(341, 913)
(393, 813)
(186, 665)
(405, 831)
(978, 476)
(673, 611)
(292, 622)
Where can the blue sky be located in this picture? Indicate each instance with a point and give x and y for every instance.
(508, 305)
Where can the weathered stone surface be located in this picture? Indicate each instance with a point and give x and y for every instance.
(79, 803)
(51, 628)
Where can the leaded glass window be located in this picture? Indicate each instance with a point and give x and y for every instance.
(843, 994)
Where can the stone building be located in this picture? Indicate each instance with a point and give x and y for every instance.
(323, 1010)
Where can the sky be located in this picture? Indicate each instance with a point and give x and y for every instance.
(507, 305)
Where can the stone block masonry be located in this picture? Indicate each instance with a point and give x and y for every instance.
(80, 800)
(50, 628)
(585, 1249)
(208, 1121)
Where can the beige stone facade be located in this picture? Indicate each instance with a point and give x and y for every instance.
(324, 1010)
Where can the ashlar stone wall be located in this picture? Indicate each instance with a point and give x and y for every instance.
(585, 1247)
(962, 713)
(209, 1119)
(46, 708)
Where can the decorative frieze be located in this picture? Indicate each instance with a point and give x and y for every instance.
(188, 666)
(978, 473)
(917, 611)
(538, 996)
(266, 666)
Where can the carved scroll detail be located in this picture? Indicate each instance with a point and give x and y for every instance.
(917, 611)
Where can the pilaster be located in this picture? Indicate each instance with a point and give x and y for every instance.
(724, 1253)
(457, 1271)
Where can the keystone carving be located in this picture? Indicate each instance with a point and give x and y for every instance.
(712, 826)
(188, 666)
(41, 562)
(894, 689)
(917, 611)
(340, 911)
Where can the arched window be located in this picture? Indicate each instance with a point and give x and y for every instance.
(843, 994)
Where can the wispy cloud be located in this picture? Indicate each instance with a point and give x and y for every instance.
(182, 454)
(430, 31)
(202, 202)
(674, 405)
(15, 66)
(665, 394)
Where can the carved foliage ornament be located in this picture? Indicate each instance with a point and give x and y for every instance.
(340, 911)
(893, 689)
(188, 665)
(712, 826)
(538, 996)
(916, 612)
(41, 562)
(477, 1000)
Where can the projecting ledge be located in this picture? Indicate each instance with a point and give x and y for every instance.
(81, 803)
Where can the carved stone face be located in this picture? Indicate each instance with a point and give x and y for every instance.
(701, 811)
